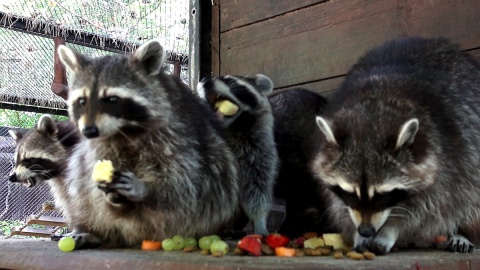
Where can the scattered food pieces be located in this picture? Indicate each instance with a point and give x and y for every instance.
(251, 245)
(285, 252)
(314, 242)
(66, 244)
(168, 244)
(369, 255)
(151, 245)
(219, 248)
(277, 240)
(355, 255)
(334, 239)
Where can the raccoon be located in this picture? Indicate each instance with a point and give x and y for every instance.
(41, 154)
(174, 173)
(294, 112)
(399, 143)
(250, 135)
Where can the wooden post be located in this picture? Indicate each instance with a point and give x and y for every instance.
(59, 84)
(177, 68)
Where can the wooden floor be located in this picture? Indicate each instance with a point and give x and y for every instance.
(44, 254)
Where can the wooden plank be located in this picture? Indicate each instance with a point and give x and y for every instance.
(323, 41)
(47, 221)
(215, 42)
(236, 13)
(28, 231)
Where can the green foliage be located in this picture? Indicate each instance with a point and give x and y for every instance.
(21, 119)
(7, 225)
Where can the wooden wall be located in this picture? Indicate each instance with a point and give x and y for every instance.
(313, 43)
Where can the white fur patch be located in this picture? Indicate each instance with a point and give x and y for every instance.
(407, 132)
(326, 130)
(67, 57)
(387, 187)
(123, 92)
(201, 90)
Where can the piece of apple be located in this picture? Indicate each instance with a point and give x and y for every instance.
(334, 239)
(226, 107)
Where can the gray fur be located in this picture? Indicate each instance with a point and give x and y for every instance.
(41, 155)
(174, 173)
(406, 120)
(250, 135)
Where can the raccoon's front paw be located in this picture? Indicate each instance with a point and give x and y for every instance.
(127, 185)
(458, 243)
(84, 240)
(360, 243)
(379, 244)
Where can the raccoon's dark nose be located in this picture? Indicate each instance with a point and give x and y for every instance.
(12, 178)
(366, 230)
(90, 131)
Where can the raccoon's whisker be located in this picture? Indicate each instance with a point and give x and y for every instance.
(36, 167)
(67, 135)
(125, 135)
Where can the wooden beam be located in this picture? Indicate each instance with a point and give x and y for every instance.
(59, 84)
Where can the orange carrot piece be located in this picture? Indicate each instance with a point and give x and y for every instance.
(285, 252)
(151, 245)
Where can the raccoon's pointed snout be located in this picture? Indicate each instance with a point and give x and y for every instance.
(90, 132)
(13, 178)
(366, 230)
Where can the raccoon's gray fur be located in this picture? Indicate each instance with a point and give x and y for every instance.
(41, 154)
(294, 112)
(250, 135)
(174, 173)
(402, 144)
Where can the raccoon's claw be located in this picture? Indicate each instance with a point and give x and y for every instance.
(460, 244)
(126, 184)
(84, 240)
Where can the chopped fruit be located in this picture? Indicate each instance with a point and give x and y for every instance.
(190, 242)
(299, 242)
(277, 240)
(226, 107)
(189, 248)
(214, 237)
(314, 242)
(309, 235)
(440, 239)
(178, 242)
(103, 171)
(205, 242)
(285, 252)
(251, 245)
(66, 244)
(219, 246)
(334, 239)
(151, 245)
(168, 244)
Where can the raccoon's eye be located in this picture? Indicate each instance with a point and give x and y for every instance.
(111, 99)
(348, 198)
(82, 101)
(389, 199)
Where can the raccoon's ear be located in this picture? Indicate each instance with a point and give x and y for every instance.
(407, 133)
(47, 125)
(149, 58)
(264, 84)
(17, 135)
(326, 129)
(69, 58)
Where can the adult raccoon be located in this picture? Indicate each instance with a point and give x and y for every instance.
(294, 112)
(249, 129)
(174, 173)
(41, 154)
(401, 146)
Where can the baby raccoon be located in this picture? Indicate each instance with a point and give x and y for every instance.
(242, 104)
(401, 142)
(41, 154)
(174, 173)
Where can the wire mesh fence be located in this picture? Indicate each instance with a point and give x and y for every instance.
(27, 66)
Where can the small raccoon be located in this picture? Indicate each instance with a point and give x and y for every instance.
(250, 135)
(402, 137)
(41, 154)
(174, 173)
(294, 111)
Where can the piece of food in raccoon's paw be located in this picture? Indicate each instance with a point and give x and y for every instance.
(103, 171)
(226, 107)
